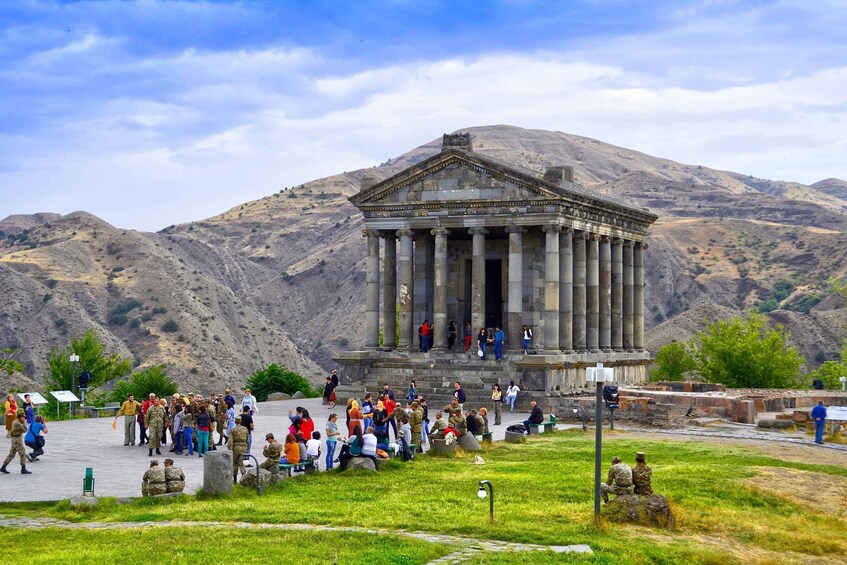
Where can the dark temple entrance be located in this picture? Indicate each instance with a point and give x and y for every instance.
(493, 293)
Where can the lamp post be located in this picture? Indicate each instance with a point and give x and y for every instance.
(481, 493)
(584, 416)
(598, 375)
(74, 358)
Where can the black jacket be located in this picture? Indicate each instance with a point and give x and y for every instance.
(536, 416)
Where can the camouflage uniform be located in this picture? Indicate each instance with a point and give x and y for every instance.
(642, 479)
(237, 443)
(220, 417)
(415, 421)
(437, 431)
(18, 431)
(210, 410)
(458, 422)
(153, 481)
(618, 482)
(272, 453)
(175, 479)
(154, 420)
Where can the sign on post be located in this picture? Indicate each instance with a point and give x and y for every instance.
(34, 397)
(836, 413)
(63, 396)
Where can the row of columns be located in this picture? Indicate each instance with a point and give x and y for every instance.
(593, 289)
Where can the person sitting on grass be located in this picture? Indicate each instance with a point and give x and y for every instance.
(351, 448)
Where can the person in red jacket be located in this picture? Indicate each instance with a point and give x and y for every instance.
(389, 404)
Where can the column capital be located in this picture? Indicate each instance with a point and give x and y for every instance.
(568, 231)
(515, 229)
(617, 240)
(592, 236)
(440, 231)
(580, 235)
(478, 231)
(369, 232)
(628, 243)
(605, 239)
(553, 228)
(405, 232)
(642, 244)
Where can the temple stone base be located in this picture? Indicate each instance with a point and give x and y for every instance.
(541, 377)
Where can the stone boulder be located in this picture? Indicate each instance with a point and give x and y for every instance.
(468, 443)
(440, 446)
(361, 463)
(776, 424)
(515, 437)
(298, 394)
(278, 396)
(217, 472)
(652, 510)
(83, 500)
(249, 479)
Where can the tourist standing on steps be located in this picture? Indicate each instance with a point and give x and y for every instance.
(497, 399)
(451, 335)
(468, 336)
(459, 395)
(527, 338)
(387, 391)
(819, 416)
(34, 439)
(481, 338)
(424, 336)
(17, 434)
(334, 378)
(499, 338)
(511, 395)
(128, 410)
(411, 396)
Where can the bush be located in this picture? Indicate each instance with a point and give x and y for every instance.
(277, 378)
(672, 363)
(170, 326)
(153, 379)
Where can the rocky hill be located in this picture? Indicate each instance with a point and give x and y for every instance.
(282, 278)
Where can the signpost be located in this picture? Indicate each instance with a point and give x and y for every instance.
(599, 375)
(63, 396)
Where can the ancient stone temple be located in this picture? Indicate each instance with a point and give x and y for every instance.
(462, 237)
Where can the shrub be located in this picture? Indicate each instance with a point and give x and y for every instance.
(170, 326)
(278, 378)
(672, 363)
(153, 379)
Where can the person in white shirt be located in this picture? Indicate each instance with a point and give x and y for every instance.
(512, 395)
(313, 448)
(250, 401)
(369, 445)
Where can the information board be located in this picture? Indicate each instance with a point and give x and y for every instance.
(64, 396)
(836, 413)
(34, 397)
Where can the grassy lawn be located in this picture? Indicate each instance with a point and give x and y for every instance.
(211, 545)
(726, 511)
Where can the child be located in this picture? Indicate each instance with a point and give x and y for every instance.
(331, 440)
(313, 449)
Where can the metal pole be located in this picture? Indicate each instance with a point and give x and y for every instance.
(488, 484)
(259, 488)
(598, 446)
(611, 419)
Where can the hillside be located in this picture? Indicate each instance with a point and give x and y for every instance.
(282, 278)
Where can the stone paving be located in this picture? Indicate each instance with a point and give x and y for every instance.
(73, 445)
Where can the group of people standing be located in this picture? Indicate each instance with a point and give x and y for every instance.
(25, 429)
(426, 333)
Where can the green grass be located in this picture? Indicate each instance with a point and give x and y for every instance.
(211, 545)
(544, 495)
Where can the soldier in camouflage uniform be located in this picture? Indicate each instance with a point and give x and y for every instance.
(220, 419)
(619, 480)
(154, 421)
(18, 431)
(210, 410)
(642, 476)
(153, 481)
(174, 477)
(437, 431)
(457, 421)
(416, 421)
(272, 453)
(237, 443)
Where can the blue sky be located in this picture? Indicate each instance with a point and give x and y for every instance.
(151, 113)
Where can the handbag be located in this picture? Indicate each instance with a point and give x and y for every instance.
(40, 441)
(480, 352)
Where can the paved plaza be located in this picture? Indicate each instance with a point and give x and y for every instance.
(74, 445)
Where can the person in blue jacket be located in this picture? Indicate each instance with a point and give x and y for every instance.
(819, 416)
(499, 338)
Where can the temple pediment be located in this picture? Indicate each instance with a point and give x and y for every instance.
(456, 175)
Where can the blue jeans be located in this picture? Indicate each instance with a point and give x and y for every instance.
(819, 429)
(526, 424)
(482, 346)
(525, 345)
(330, 454)
(202, 441)
(511, 400)
(189, 440)
(367, 423)
(498, 349)
(178, 441)
(425, 343)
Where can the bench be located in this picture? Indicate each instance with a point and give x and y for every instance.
(543, 427)
(305, 466)
(488, 437)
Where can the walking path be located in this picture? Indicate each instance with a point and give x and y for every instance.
(468, 548)
(74, 445)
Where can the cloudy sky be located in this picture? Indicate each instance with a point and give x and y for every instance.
(151, 113)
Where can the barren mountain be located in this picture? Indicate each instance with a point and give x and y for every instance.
(282, 278)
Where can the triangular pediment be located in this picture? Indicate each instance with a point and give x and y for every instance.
(457, 175)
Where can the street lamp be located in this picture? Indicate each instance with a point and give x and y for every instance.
(482, 494)
(584, 416)
(598, 375)
(74, 358)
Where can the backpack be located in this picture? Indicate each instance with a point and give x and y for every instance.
(405, 453)
(517, 428)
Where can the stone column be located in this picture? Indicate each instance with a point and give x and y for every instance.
(478, 278)
(440, 292)
(579, 343)
(406, 291)
(627, 295)
(638, 296)
(617, 294)
(389, 291)
(515, 306)
(592, 292)
(551, 287)
(423, 276)
(566, 290)
(605, 293)
(372, 289)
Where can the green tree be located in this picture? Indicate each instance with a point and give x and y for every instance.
(672, 363)
(153, 379)
(104, 367)
(746, 353)
(277, 378)
(396, 328)
(8, 363)
(831, 371)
